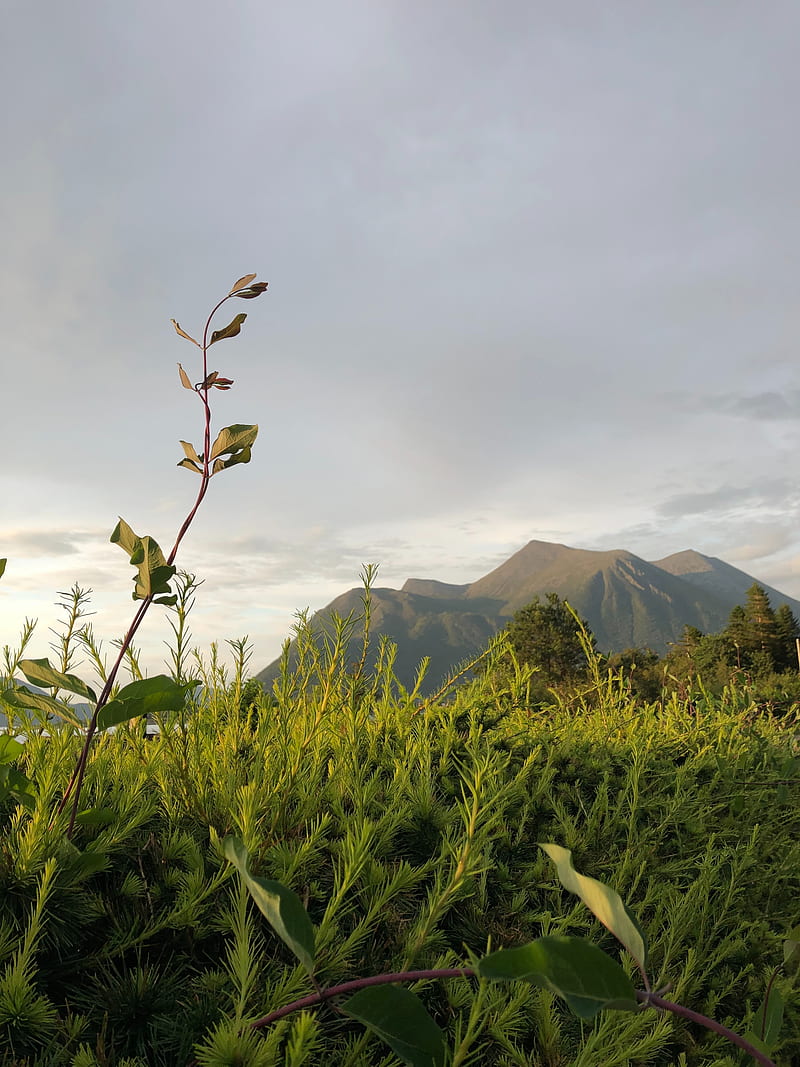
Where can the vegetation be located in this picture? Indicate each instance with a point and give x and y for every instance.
(756, 648)
(410, 833)
(211, 897)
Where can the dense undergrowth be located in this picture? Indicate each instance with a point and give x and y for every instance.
(410, 831)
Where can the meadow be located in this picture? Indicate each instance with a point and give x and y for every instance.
(409, 830)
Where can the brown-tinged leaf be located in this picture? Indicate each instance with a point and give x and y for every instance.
(185, 380)
(187, 463)
(190, 451)
(231, 330)
(209, 380)
(241, 283)
(253, 291)
(183, 333)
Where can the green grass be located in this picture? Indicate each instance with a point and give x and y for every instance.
(410, 831)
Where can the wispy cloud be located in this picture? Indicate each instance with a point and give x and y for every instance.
(771, 493)
(35, 544)
(768, 406)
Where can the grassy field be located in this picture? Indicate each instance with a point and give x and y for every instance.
(409, 829)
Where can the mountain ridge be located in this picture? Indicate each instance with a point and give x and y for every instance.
(626, 600)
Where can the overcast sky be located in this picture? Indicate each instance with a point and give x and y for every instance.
(533, 266)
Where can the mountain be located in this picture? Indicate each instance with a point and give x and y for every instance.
(715, 576)
(627, 602)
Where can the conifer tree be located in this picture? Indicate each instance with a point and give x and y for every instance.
(738, 632)
(787, 630)
(761, 628)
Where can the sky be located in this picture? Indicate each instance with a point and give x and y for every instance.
(533, 274)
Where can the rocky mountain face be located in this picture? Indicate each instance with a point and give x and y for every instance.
(627, 602)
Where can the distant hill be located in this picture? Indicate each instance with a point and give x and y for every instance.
(627, 602)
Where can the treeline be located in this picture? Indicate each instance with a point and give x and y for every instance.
(757, 647)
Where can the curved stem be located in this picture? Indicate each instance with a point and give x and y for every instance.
(359, 983)
(655, 1001)
(650, 999)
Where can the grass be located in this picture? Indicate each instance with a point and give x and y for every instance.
(410, 831)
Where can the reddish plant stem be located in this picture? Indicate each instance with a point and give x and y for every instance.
(359, 983)
(75, 783)
(650, 999)
(703, 1020)
(767, 995)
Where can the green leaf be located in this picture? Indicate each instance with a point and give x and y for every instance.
(154, 571)
(96, 817)
(770, 1017)
(282, 908)
(115, 712)
(231, 439)
(88, 863)
(26, 700)
(253, 291)
(791, 949)
(39, 672)
(242, 283)
(19, 785)
(161, 692)
(231, 330)
(401, 1020)
(3, 566)
(10, 748)
(81, 865)
(571, 967)
(148, 696)
(756, 1042)
(124, 536)
(603, 902)
(237, 457)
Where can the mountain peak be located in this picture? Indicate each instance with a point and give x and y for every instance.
(626, 601)
(687, 562)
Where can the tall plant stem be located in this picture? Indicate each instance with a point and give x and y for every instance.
(75, 784)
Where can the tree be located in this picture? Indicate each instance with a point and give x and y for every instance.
(753, 630)
(762, 632)
(787, 630)
(545, 635)
(738, 633)
(641, 669)
(712, 657)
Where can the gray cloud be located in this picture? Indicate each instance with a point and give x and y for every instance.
(767, 406)
(33, 543)
(775, 492)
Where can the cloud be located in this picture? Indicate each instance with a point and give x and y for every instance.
(768, 406)
(765, 539)
(774, 492)
(35, 544)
